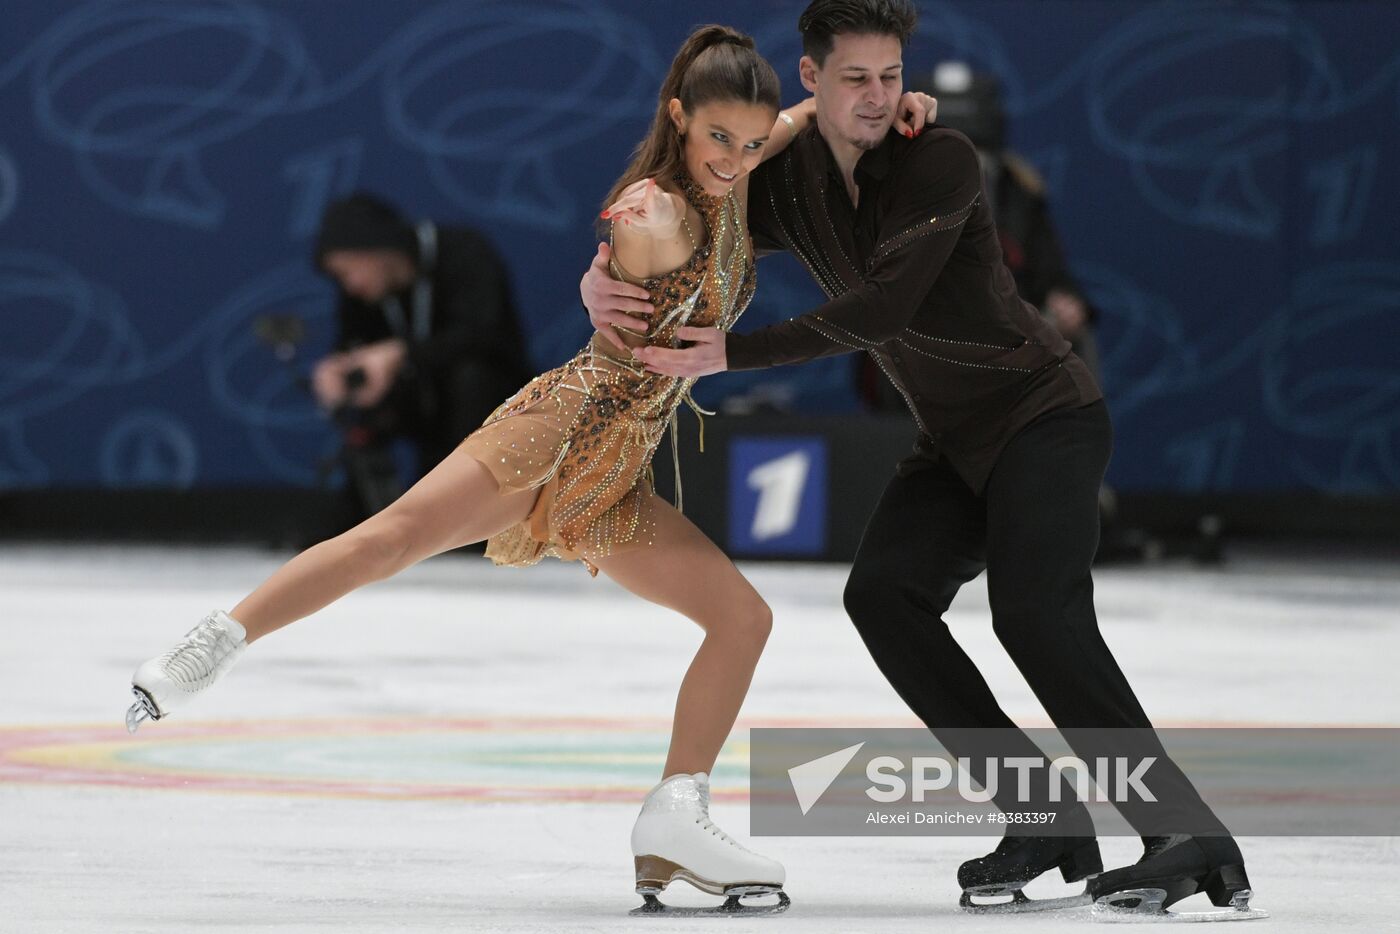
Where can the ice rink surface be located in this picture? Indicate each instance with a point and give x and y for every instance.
(464, 748)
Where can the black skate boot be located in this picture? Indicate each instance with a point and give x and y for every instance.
(1019, 859)
(1172, 868)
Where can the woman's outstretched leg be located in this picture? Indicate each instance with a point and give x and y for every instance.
(674, 837)
(456, 503)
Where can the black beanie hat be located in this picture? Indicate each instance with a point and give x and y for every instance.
(363, 222)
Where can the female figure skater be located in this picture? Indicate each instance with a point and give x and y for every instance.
(562, 468)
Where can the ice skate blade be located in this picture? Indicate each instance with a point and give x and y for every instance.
(144, 709)
(732, 907)
(1020, 901)
(1133, 906)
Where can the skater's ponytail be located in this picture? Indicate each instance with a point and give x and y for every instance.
(716, 63)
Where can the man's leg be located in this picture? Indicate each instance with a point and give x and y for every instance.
(1042, 532)
(926, 539)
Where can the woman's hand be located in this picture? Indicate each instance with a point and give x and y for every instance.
(915, 111)
(644, 206)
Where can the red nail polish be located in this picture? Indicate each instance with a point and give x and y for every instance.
(909, 134)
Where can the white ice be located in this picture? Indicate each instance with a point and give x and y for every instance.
(1266, 641)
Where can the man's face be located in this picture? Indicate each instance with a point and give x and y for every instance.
(858, 87)
(364, 274)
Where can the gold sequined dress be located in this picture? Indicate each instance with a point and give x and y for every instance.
(583, 434)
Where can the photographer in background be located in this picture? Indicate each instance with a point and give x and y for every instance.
(428, 343)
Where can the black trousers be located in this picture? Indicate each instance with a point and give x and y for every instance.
(1034, 529)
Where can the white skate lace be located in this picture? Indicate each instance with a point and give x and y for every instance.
(707, 824)
(193, 662)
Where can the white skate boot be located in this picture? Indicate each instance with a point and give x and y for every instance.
(167, 681)
(674, 838)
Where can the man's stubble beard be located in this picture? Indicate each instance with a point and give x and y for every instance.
(865, 145)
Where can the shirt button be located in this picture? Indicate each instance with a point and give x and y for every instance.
(918, 398)
(896, 358)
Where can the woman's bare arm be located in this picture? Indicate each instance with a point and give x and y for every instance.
(650, 237)
(790, 122)
(648, 230)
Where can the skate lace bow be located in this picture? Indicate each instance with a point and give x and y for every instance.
(195, 659)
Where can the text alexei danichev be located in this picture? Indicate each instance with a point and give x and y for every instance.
(958, 817)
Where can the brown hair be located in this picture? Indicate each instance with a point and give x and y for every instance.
(824, 20)
(715, 63)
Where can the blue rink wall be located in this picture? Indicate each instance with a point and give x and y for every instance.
(1222, 174)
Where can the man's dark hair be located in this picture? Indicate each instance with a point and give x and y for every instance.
(824, 20)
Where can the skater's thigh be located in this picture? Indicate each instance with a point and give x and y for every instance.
(1043, 500)
(686, 572)
(928, 534)
(456, 503)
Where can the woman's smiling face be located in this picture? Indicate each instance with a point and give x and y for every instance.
(723, 141)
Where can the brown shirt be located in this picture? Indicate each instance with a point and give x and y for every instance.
(915, 278)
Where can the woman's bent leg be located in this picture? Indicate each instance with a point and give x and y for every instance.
(457, 503)
(688, 573)
(673, 837)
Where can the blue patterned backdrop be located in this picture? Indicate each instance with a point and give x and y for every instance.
(1223, 174)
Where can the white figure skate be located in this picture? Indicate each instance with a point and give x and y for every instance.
(674, 838)
(167, 681)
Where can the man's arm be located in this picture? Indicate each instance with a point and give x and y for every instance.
(943, 183)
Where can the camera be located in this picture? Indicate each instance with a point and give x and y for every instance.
(371, 473)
